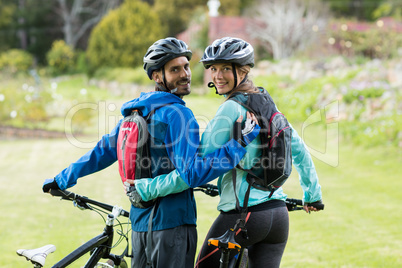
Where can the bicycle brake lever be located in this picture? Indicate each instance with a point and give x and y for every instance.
(81, 205)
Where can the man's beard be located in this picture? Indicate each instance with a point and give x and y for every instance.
(171, 86)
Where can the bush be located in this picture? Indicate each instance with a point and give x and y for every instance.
(197, 73)
(122, 37)
(375, 42)
(23, 106)
(16, 60)
(382, 131)
(361, 95)
(123, 75)
(81, 65)
(61, 58)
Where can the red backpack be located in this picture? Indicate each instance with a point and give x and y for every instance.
(133, 151)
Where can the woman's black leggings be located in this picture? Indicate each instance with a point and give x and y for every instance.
(267, 230)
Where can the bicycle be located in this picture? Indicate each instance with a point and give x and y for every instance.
(226, 243)
(99, 247)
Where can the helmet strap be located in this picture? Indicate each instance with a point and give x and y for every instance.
(234, 74)
(212, 85)
(164, 86)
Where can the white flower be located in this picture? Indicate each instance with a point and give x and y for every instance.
(28, 98)
(13, 114)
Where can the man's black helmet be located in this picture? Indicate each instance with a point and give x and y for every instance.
(163, 51)
(228, 49)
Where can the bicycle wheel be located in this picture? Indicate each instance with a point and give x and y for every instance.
(244, 259)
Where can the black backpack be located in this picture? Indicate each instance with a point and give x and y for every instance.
(275, 165)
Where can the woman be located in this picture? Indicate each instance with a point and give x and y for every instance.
(230, 60)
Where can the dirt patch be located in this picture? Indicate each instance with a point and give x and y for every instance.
(7, 132)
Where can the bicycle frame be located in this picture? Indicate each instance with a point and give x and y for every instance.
(100, 246)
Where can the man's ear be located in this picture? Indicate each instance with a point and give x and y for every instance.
(157, 76)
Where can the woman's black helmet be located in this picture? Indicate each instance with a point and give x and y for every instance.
(163, 51)
(228, 49)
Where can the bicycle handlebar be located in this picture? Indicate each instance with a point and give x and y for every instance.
(209, 189)
(297, 204)
(291, 203)
(83, 201)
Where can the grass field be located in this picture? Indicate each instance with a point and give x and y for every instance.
(360, 226)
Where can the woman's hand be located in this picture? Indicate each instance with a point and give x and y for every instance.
(308, 209)
(250, 121)
(315, 206)
(250, 130)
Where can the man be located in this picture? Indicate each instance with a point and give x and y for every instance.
(174, 141)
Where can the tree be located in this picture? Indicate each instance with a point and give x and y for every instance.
(287, 26)
(234, 7)
(79, 16)
(7, 10)
(29, 25)
(176, 14)
(360, 9)
(123, 36)
(391, 8)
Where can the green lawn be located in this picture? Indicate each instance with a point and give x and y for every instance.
(360, 226)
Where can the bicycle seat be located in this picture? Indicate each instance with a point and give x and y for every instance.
(38, 255)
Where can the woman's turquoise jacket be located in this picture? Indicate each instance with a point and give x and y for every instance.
(216, 134)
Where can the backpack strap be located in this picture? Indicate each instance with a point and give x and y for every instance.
(236, 136)
(240, 223)
(153, 111)
(148, 248)
(251, 176)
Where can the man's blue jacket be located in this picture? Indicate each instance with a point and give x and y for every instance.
(175, 139)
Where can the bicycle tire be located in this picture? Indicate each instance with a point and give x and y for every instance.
(103, 265)
(244, 259)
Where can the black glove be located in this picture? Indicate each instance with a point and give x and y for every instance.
(136, 199)
(50, 184)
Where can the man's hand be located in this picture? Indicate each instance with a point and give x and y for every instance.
(50, 184)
